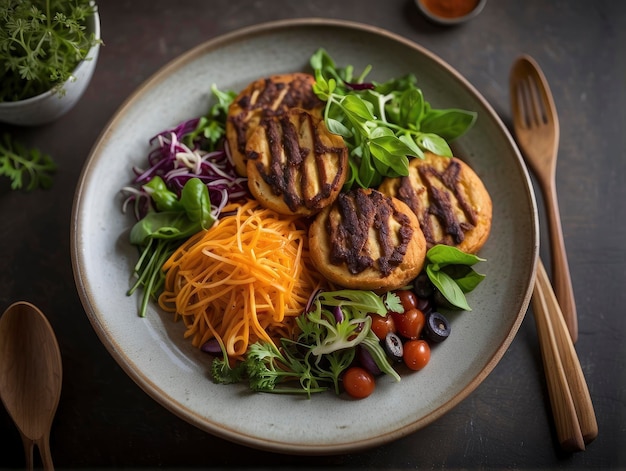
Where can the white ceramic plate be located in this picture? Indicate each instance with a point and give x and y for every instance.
(152, 351)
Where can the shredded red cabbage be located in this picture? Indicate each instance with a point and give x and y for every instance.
(175, 162)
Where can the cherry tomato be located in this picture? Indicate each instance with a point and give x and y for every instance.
(382, 325)
(409, 324)
(416, 354)
(407, 298)
(358, 382)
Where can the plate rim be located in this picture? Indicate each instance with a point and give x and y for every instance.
(170, 403)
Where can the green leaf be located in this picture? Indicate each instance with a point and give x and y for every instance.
(357, 107)
(394, 108)
(391, 152)
(393, 303)
(434, 143)
(469, 281)
(164, 199)
(412, 108)
(449, 124)
(196, 203)
(26, 168)
(443, 255)
(448, 288)
(398, 84)
(192, 214)
(337, 127)
(415, 150)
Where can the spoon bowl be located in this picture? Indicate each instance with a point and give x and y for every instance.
(30, 376)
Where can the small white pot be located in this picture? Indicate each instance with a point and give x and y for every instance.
(50, 105)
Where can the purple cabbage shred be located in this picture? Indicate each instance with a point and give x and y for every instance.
(175, 163)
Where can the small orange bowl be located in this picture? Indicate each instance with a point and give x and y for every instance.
(450, 12)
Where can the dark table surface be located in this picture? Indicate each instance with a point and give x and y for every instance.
(105, 420)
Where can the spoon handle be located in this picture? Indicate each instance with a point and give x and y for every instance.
(29, 446)
(571, 364)
(44, 450)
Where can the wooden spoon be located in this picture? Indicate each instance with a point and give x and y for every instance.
(30, 376)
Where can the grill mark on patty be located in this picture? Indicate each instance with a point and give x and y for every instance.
(288, 174)
(440, 203)
(349, 224)
(271, 99)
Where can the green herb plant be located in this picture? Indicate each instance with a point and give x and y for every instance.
(332, 328)
(26, 168)
(41, 43)
(450, 270)
(383, 124)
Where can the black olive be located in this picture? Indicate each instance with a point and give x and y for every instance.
(437, 327)
(393, 346)
(442, 302)
(422, 286)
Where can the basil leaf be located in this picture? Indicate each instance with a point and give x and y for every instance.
(398, 84)
(434, 143)
(337, 127)
(164, 199)
(449, 124)
(357, 107)
(412, 108)
(469, 281)
(391, 151)
(196, 202)
(414, 149)
(448, 288)
(367, 175)
(162, 225)
(396, 107)
(443, 255)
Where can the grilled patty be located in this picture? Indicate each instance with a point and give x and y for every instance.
(367, 240)
(449, 199)
(264, 98)
(294, 164)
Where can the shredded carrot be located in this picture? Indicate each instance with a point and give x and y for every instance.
(245, 279)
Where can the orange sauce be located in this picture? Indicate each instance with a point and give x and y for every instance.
(450, 8)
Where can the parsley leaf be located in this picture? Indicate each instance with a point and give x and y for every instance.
(24, 166)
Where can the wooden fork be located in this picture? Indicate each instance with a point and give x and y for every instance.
(536, 127)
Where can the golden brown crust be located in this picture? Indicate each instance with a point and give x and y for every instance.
(261, 98)
(367, 240)
(449, 199)
(294, 164)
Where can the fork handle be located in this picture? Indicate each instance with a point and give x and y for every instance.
(561, 279)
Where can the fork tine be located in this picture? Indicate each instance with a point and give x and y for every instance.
(532, 105)
(525, 103)
(519, 104)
